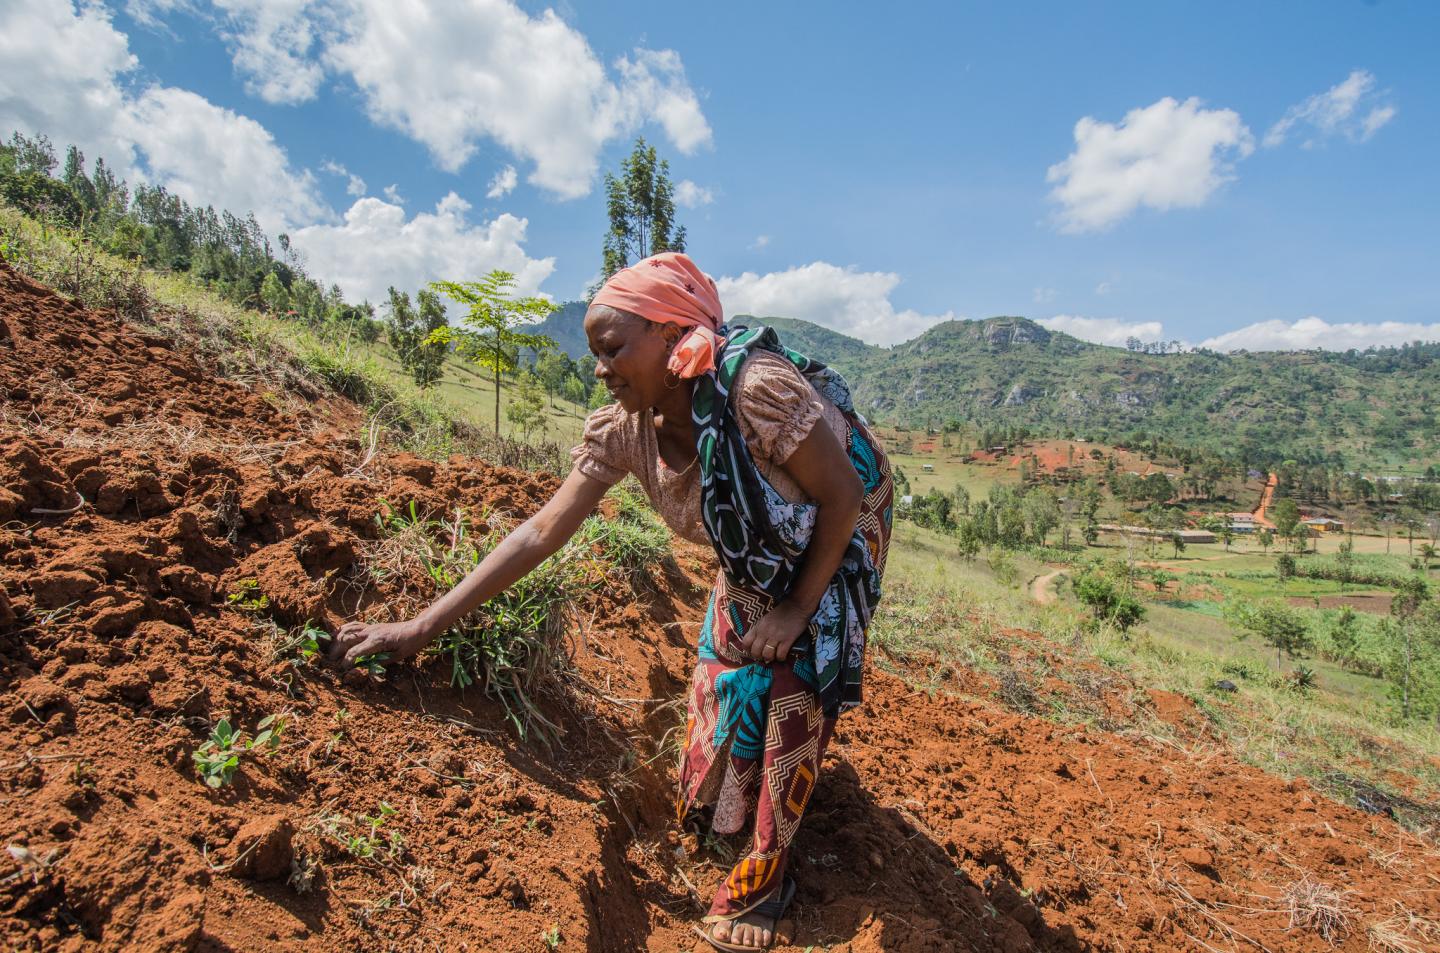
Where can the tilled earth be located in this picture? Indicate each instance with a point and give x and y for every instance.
(148, 503)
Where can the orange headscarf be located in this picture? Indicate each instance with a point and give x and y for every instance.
(669, 289)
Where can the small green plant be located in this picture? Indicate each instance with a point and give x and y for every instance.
(373, 664)
(303, 647)
(218, 757)
(365, 838)
(551, 937)
(247, 597)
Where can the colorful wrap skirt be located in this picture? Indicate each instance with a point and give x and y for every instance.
(755, 733)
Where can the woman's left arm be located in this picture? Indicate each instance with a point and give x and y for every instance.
(824, 471)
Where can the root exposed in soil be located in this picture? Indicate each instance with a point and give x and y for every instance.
(189, 528)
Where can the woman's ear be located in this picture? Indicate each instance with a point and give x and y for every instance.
(672, 334)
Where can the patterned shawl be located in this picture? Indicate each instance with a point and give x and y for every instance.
(761, 538)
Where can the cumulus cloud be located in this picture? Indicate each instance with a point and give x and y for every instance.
(451, 75)
(354, 185)
(844, 299)
(1350, 108)
(1312, 332)
(207, 154)
(66, 72)
(1111, 331)
(1166, 155)
(690, 195)
(270, 44)
(62, 73)
(377, 246)
(392, 192)
(502, 183)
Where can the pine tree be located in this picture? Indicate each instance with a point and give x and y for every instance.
(641, 206)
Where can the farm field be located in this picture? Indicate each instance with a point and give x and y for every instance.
(395, 808)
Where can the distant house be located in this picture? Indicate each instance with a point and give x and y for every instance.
(1324, 524)
(1242, 522)
(928, 467)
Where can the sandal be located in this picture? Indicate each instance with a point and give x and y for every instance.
(774, 909)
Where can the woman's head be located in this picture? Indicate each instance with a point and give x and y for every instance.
(667, 296)
(631, 354)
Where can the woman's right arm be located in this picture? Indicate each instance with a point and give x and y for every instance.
(521, 551)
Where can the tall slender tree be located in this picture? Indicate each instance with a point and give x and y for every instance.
(491, 336)
(641, 205)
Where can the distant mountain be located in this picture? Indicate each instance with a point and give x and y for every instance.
(566, 327)
(1306, 405)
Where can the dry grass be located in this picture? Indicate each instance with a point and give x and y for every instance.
(1403, 932)
(1318, 907)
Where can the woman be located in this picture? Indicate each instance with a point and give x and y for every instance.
(756, 450)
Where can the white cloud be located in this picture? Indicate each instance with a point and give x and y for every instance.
(1111, 331)
(690, 195)
(1312, 332)
(761, 241)
(449, 76)
(1103, 288)
(65, 75)
(849, 301)
(354, 186)
(61, 77)
(503, 183)
(392, 192)
(208, 154)
(377, 246)
(1166, 155)
(270, 44)
(1043, 295)
(1349, 108)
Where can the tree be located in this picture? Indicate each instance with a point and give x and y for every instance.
(1266, 538)
(1428, 552)
(553, 367)
(1278, 625)
(573, 389)
(1286, 516)
(527, 410)
(1042, 513)
(1411, 594)
(1109, 601)
(1227, 535)
(641, 206)
(412, 334)
(273, 294)
(1345, 633)
(491, 337)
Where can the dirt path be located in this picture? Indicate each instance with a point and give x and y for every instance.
(1040, 589)
(1266, 497)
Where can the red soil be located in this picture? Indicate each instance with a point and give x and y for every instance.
(941, 824)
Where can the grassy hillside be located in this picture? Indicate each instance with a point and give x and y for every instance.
(1371, 407)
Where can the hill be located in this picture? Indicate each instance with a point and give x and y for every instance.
(1370, 407)
(178, 544)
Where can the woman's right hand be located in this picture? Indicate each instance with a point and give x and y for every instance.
(398, 640)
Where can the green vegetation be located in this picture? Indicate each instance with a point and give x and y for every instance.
(641, 206)
(491, 335)
(218, 757)
(512, 646)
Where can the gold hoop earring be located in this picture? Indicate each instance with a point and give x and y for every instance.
(669, 374)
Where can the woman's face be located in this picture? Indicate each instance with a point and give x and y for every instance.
(630, 355)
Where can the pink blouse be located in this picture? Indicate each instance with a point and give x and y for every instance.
(775, 407)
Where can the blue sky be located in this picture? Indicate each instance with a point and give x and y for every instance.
(1242, 175)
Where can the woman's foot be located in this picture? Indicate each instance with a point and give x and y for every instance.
(753, 930)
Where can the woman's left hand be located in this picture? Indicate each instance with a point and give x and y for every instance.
(770, 639)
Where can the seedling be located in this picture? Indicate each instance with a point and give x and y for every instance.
(247, 597)
(219, 756)
(373, 664)
(551, 937)
(303, 647)
(366, 843)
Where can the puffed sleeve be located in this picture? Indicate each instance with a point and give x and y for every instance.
(775, 406)
(603, 452)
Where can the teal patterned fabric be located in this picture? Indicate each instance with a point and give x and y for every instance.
(761, 538)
